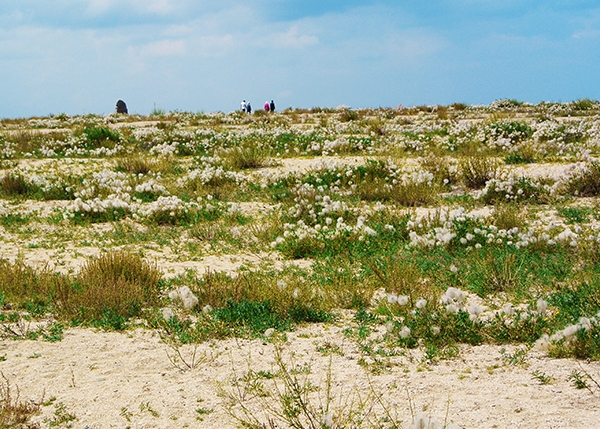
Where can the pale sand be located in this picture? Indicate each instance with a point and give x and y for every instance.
(101, 377)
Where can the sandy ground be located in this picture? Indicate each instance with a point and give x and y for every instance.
(118, 380)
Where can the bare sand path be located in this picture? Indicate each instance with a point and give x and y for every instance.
(117, 380)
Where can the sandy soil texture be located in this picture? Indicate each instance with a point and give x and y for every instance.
(116, 380)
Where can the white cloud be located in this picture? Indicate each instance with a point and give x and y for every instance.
(159, 7)
(163, 48)
(293, 39)
(99, 7)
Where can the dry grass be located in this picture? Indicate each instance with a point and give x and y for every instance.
(15, 413)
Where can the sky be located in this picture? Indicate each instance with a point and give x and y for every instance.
(80, 56)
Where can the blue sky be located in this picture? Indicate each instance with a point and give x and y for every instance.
(80, 56)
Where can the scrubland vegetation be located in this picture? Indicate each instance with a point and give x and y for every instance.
(443, 225)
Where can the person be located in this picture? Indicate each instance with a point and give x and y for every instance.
(272, 106)
(248, 108)
(243, 106)
(267, 106)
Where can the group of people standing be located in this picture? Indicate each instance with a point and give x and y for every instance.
(247, 107)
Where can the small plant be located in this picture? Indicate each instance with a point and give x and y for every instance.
(110, 289)
(15, 413)
(292, 400)
(583, 380)
(61, 416)
(576, 215)
(517, 358)
(134, 164)
(100, 136)
(542, 377)
(476, 171)
(586, 182)
(126, 414)
(14, 185)
(203, 412)
(145, 406)
(245, 156)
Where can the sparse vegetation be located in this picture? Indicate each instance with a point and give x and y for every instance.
(432, 226)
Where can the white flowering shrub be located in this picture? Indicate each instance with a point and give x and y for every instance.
(511, 188)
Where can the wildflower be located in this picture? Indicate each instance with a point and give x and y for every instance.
(296, 293)
(168, 313)
(402, 300)
(570, 330)
(452, 308)
(370, 231)
(281, 284)
(327, 420)
(453, 268)
(207, 309)
(424, 422)
(389, 327)
(543, 343)
(542, 306)
(475, 310)
(405, 332)
(392, 298)
(435, 330)
(269, 332)
(187, 297)
(585, 323)
(421, 303)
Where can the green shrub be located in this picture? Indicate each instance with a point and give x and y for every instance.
(586, 183)
(476, 171)
(14, 185)
(100, 136)
(109, 289)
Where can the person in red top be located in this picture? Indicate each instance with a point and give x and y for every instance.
(266, 106)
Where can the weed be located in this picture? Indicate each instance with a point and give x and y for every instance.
(517, 358)
(476, 171)
(576, 215)
(61, 416)
(542, 377)
(145, 406)
(110, 289)
(15, 413)
(586, 182)
(293, 400)
(14, 185)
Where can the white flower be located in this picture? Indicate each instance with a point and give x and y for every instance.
(543, 343)
(281, 284)
(421, 303)
(452, 308)
(168, 313)
(585, 323)
(405, 332)
(570, 330)
(475, 310)
(402, 300)
(542, 306)
(327, 420)
(269, 332)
